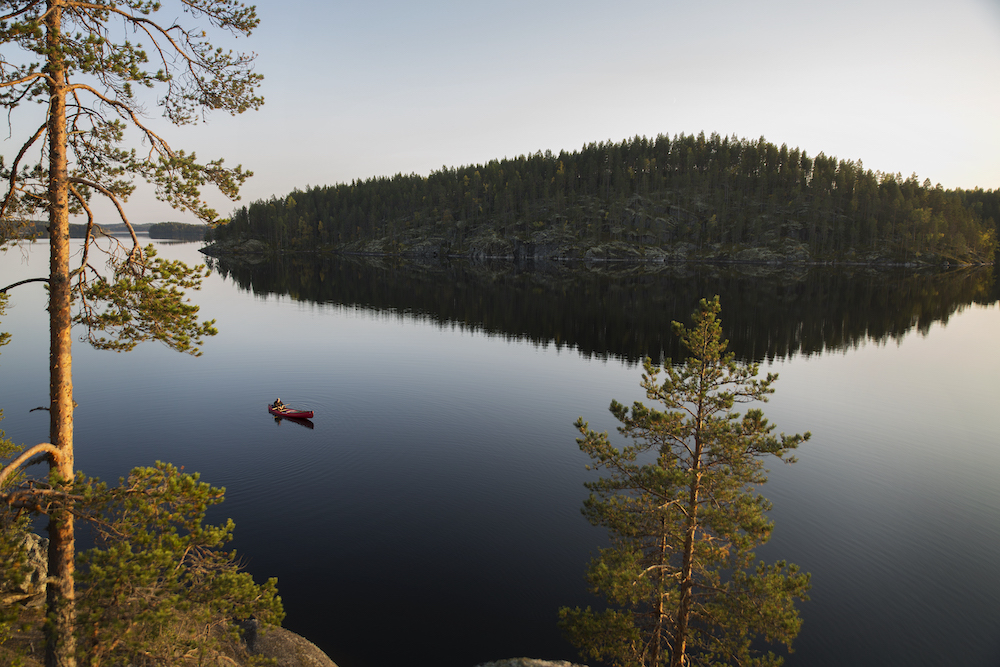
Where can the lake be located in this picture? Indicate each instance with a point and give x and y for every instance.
(431, 515)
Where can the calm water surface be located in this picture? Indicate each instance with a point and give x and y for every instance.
(431, 516)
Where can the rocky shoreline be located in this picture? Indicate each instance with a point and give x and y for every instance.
(788, 252)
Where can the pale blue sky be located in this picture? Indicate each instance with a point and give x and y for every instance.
(361, 89)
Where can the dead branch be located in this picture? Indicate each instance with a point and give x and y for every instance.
(128, 113)
(24, 79)
(44, 447)
(110, 195)
(13, 169)
(21, 282)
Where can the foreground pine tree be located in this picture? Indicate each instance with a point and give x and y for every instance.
(83, 73)
(157, 588)
(683, 519)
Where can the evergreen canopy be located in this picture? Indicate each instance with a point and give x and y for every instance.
(716, 194)
(683, 518)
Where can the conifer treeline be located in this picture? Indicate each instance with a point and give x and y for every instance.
(710, 193)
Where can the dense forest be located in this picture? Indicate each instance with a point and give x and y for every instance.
(663, 198)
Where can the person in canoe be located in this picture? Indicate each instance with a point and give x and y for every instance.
(278, 405)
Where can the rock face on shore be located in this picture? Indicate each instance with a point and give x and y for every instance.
(285, 648)
(236, 247)
(529, 662)
(289, 649)
(31, 591)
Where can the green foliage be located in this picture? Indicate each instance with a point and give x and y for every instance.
(13, 527)
(683, 518)
(107, 74)
(75, 63)
(611, 635)
(710, 195)
(158, 588)
(144, 301)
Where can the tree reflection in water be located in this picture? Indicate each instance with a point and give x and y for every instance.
(624, 310)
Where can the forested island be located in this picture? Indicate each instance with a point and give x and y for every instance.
(157, 230)
(181, 231)
(685, 197)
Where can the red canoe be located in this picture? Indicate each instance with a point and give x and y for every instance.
(285, 411)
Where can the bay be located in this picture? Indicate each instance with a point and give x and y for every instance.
(431, 515)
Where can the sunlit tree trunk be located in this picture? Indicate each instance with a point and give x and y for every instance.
(659, 629)
(60, 646)
(678, 653)
(679, 649)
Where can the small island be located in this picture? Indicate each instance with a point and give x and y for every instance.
(664, 199)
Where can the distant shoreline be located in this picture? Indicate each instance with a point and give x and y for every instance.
(179, 231)
(603, 254)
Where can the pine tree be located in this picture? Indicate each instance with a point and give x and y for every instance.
(683, 519)
(157, 588)
(72, 62)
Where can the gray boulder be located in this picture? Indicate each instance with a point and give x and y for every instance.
(529, 662)
(288, 649)
(30, 591)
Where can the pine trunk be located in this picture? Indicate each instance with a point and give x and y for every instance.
(60, 644)
(661, 610)
(678, 654)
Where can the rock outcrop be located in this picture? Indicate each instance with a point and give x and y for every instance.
(289, 649)
(30, 591)
(529, 662)
(236, 247)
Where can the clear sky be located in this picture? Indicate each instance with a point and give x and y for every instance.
(374, 88)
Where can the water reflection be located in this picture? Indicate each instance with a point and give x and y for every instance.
(295, 420)
(625, 310)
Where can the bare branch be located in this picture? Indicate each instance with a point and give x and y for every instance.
(128, 113)
(110, 195)
(21, 282)
(40, 448)
(13, 170)
(24, 79)
(28, 5)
